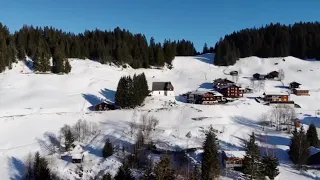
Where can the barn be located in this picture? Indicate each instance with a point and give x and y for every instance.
(103, 106)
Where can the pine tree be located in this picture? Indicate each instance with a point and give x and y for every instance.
(67, 67)
(107, 177)
(210, 160)
(107, 149)
(299, 148)
(195, 174)
(164, 169)
(205, 48)
(69, 139)
(30, 171)
(120, 93)
(148, 174)
(159, 56)
(37, 60)
(270, 166)
(124, 173)
(312, 136)
(41, 170)
(252, 161)
(58, 60)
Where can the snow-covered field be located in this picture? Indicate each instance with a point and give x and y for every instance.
(32, 105)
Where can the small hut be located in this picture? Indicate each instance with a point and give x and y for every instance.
(103, 106)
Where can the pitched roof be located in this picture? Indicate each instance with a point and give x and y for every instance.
(215, 93)
(295, 83)
(220, 80)
(160, 86)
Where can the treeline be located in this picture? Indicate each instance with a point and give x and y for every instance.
(301, 40)
(118, 46)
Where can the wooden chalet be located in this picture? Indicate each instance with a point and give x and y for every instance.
(298, 90)
(276, 97)
(278, 100)
(232, 159)
(219, 83)
(231, 91)
(204, 97)
(103, 106)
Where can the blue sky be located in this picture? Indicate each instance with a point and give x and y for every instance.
(198, 21)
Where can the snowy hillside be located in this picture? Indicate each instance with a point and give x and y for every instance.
(33, 104)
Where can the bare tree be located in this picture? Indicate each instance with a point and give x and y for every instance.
(281, 75)
(133, 123)
(283, 115)
(147, 125)
(84, 130)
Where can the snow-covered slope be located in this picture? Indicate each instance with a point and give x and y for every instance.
(33, 104)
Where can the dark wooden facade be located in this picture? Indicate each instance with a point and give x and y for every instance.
(276, 97)
(103, 106)
(300, 92)
(220, 83)
(204, 98)
(231, 91)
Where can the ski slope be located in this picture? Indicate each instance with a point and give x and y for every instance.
(32, 105)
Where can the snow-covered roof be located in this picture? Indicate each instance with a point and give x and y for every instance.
(201, 92)
(235, 154)
(276, 93)
(77, 156)
(301, 88)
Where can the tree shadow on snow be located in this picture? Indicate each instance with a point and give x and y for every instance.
(206, 85)
(311, 120)
(16, 168)
(108, 94)
(49, 143)
(206, 58)
(226, 146)
(118, 144)
(246, 122)
(274, 140)
(92, 99)
(282, 87)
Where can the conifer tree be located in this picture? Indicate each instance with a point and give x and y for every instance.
(270, 166)
(120, 93)
(252, 161)
(69, 139)
(107, 149)
(148, 174)
(37, 60)
(205, 48)
(164, 169)
(29, 166)
(299, 148)
(159, 56)
(312, 136)
(124, 173)
(41, 170)
(67, 66)
(195, 174)
(107, 177)
(58, 61)
(210, 160)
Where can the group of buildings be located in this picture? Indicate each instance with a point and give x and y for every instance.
(222, 90)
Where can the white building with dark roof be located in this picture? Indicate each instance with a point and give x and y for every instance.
(162, 89)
